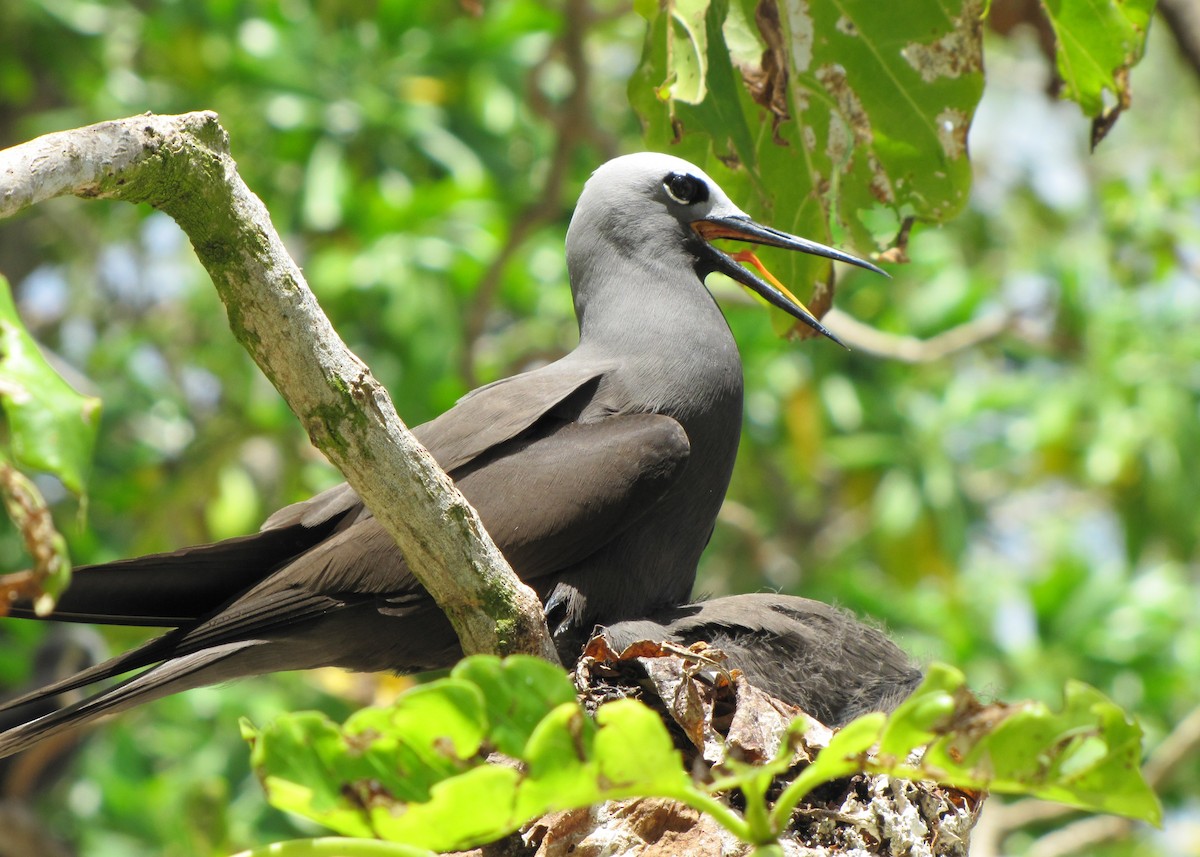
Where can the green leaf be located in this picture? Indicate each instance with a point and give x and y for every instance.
(857, 115)
(52, 428)
(635, 751)
(475, 807)
(1088, 756)
(410, 772)
(441, 723)
(353, 778)
(517, 693)
(1097, 43)
(914, 722)
(563, 770)
(687, 69)
(302, 766)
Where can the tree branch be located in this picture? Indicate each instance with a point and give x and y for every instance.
(181, 165)
(909, 349)
(573, 123)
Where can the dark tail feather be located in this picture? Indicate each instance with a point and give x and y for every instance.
(173, 589)
(217, 664)
(63, 651)
(150, 652)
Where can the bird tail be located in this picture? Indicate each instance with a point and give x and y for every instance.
(209, 666)
(63, 651)
(176, 588)
(150, 652)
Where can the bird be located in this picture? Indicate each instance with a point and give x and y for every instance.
(807, 653)
(64, 650)
(598, 475)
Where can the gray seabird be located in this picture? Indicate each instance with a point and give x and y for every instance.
(599, 476)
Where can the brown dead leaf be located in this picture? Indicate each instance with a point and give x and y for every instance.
(646, 827)
(767, 83)
(759, 724)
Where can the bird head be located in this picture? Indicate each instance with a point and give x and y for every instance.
(650, 206)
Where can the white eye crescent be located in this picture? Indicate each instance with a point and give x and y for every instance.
(685, 189)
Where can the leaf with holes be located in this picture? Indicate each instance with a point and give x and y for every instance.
(832, 120)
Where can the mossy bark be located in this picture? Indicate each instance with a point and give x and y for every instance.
(181, 165)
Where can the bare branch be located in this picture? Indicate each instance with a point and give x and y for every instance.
(181, 165)
(573, 123)
(909, 349)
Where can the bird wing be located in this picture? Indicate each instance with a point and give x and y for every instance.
(480, 420)
(175, 588)
(549, 500)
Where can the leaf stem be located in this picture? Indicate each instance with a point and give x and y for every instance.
(757, 818)
(781, 813)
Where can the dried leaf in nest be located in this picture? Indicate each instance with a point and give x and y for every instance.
(721, 714)
(718, 717)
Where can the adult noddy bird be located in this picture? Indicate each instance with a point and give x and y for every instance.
(814, 656)
(599, 476)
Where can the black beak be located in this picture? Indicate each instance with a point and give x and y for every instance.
(742, 228)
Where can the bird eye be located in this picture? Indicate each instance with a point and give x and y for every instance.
(685, 189)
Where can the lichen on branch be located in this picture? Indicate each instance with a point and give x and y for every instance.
(181, 165)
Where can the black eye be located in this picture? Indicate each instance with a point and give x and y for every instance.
(686, 189)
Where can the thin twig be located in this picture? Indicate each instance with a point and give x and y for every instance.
(573, 122)
(909, 349)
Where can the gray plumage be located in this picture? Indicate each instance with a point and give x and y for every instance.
(817, 657)
(599, 476)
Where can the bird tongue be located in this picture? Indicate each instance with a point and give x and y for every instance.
(748, 256)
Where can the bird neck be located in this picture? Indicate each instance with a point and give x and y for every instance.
(655, 303)
(665, 329)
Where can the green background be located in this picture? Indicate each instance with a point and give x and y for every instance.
(1025, 508)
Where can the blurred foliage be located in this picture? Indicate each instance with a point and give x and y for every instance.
(50, 427)
(1023, 508)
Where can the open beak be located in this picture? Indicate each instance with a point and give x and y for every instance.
(742, 228)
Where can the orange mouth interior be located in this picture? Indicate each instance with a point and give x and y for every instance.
(709, 230)
(748, 256)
